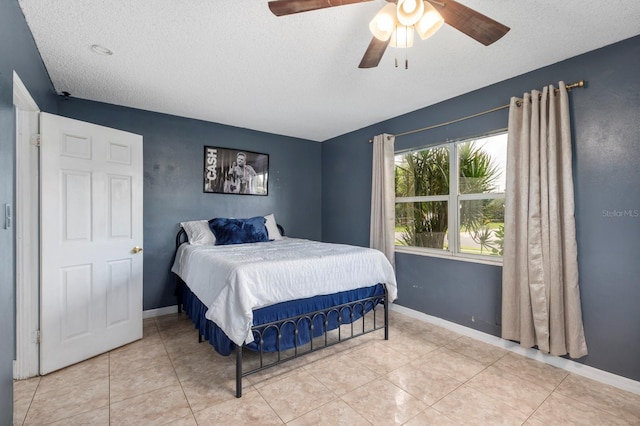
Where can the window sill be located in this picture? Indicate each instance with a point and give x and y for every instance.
(447, 255)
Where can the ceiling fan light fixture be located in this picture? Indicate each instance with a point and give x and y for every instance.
(402, 37)
(430, 22)
(409, 12)
(384, 23)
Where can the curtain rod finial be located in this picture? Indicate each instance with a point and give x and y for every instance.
(580, 83)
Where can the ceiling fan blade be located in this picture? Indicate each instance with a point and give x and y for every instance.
(288, 7)
(374, 53)
(472, 23)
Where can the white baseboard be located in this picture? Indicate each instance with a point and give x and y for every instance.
(152, 313)
(566, 364)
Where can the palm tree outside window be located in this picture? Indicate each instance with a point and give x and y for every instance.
(452, 208)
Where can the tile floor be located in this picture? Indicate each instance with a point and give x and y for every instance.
(423, 375)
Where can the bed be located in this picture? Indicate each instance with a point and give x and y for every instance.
(278, 297)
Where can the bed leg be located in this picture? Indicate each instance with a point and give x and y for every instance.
(238, 371)
(386, 314)
(178, 293)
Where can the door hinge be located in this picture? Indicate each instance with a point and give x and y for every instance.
(36, 140)
(38, 336)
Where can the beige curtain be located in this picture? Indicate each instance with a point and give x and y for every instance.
(540, 294)
(382, 227)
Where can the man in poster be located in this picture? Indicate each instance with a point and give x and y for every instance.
(241, 178)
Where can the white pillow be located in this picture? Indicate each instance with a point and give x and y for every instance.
(198, 232)
(272, 227)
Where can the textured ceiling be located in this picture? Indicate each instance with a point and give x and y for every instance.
(234, 62)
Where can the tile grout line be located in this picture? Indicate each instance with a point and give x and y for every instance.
(174, 371)
(140, 394)
(528, 381)
(546, 398)
(466, 382)
(22, 422)
(272, 409)
(583, 402)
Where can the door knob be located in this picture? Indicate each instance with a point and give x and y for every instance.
(136, 250)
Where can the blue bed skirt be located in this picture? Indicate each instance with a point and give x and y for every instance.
(196, 310)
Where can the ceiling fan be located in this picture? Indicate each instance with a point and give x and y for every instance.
(474, 24)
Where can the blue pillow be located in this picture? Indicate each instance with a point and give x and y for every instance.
(238, 231)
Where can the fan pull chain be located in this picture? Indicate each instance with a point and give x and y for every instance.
(396, 55)
(406, 59)
(406, 47)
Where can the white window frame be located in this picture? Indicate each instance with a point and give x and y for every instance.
(454, 199)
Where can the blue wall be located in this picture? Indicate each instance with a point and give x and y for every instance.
(173, 163)
(606, 129)
(17, 52)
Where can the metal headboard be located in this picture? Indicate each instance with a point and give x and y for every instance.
(181, 237)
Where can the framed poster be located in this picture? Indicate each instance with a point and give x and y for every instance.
(231, 171)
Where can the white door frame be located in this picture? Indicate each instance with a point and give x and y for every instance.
(27, 233)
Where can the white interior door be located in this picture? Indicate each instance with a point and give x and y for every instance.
(91, 238)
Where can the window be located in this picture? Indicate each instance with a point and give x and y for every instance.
(455, 209)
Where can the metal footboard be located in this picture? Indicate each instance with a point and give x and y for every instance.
(308, 321)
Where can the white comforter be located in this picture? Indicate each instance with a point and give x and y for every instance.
(233, 280)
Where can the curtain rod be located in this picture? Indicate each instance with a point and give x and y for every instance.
(580, 83)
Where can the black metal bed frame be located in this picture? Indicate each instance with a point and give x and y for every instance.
(307, 320)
